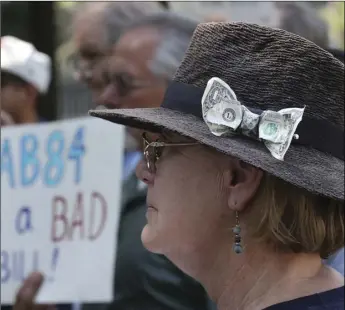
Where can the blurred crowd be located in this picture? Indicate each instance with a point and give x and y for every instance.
(126, 53)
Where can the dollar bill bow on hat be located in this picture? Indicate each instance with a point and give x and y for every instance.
(225, 115)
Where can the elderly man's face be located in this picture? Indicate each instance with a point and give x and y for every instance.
(92, 52)
(131, 84)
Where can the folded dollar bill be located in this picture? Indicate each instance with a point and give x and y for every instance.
(225, 115)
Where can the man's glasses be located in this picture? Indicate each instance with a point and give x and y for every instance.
(84, 67)
(124, 82)
(153, 151)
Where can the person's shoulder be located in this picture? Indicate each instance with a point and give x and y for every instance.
(165, 278)
(328, 300)
(336, 261)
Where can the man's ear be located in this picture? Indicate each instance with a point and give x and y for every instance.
(243, 183)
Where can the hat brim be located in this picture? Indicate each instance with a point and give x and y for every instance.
(304, 167)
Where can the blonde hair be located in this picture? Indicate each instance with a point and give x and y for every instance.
(293, 219)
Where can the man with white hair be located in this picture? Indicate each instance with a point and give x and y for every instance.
(96, 28)
(25, 76)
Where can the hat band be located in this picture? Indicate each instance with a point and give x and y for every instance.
(319, 134)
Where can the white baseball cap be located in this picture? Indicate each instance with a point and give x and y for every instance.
(22, 59)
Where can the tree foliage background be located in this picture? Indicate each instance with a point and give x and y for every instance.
(333, 13)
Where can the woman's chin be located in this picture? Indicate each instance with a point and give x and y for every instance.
(148, 238)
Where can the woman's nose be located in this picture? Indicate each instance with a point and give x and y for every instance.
(144, 174)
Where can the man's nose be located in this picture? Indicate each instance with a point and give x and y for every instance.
(109, 97)
(144, 174)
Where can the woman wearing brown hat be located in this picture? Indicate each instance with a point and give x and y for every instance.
(245, 168)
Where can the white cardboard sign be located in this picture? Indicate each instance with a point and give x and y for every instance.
(60, 206)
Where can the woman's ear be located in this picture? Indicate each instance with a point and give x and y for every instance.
(243, 184)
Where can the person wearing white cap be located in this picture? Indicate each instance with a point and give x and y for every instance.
(25, 76)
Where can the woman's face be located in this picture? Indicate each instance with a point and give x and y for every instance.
(187, 200)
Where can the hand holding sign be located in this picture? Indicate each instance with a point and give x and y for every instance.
(27, 294)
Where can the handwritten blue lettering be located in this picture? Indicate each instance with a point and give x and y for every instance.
(54, 168)
(77, 151)
(30, 165)
(5, 266)
(55, 258)
(23, 220)
(50, 169)
(18, 264)
(7, 161)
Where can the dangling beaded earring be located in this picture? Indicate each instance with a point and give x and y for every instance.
(237, 248)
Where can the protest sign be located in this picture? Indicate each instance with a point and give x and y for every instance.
(60, 205)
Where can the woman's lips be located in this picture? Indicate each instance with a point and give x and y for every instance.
(152, 208)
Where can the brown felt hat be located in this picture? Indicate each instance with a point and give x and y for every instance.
(267, 70)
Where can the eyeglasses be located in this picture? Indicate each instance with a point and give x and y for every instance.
(84, 66)
(153, 151)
